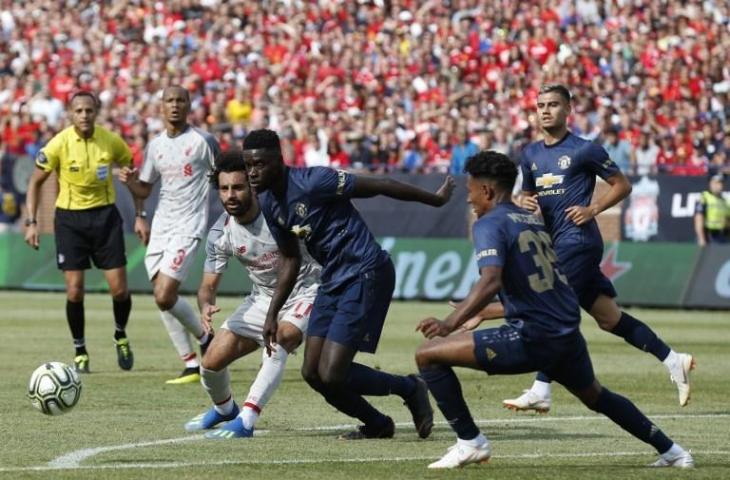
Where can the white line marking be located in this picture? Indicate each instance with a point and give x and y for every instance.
(73, 459)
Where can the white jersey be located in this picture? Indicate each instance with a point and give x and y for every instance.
(183, 163)
(255, 247)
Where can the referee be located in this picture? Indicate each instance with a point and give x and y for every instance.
(87, 223)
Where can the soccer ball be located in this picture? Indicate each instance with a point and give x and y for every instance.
(54, 388)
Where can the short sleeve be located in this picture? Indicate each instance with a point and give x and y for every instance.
(489, 244)
(149, 173)
(214, 149)
(274, 220)
(528, 180)
(216, 256)
(327, 183)
(701, 205)
(121, 153)
(48, 158)
(596, 160)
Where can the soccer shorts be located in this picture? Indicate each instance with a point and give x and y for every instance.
(505, 350)
(94, 234)
(581, 264)
(171, 256)
(354, 313)
(248, 319)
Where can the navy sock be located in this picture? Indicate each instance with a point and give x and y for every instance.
(121, 316)
(350, 403)
(638, 334)
(368, 381)
(627, 416)
(542, 377)
(446, 389)
(75, 319)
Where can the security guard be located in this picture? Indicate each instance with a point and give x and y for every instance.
(712, 214)
(87, 223)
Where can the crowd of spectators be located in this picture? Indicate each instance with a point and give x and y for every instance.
(385, 84)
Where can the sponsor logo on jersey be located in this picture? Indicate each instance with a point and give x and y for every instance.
(341, 180)
(533, 167)
(301, 231)
(41, 158)
(491, 354)
(564, 162)
(547, 180)
(300, 209)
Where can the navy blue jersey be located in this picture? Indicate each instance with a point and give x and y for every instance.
(534, 291)
(316, 207)
(564, 175)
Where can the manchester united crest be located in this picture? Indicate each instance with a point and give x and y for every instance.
(564, 162)
(300, 209)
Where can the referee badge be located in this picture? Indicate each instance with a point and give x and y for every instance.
(41, 158)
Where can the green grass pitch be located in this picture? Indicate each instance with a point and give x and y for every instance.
(129, 424)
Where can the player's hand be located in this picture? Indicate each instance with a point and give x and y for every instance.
(471, 324)
(206, 315)
(580, 215)
(128, 175)
(433, 327)
(271, 326)
(142, 229)
(446, 190)
(529, 202)
(31, 236)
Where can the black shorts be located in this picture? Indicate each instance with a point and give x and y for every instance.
(94, 234)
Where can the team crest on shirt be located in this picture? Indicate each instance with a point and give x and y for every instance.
(300, 209)
(564, 162)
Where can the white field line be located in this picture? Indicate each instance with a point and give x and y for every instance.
(73, 459)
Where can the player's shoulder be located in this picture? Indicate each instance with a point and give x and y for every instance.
(586, 147)
(106, 135)
(206, 137)
(62, 137)
(218, 228)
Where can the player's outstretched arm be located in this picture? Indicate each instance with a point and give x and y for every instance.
(371, 186)
(290, 260)
(493, 311)
(620, 188)
(490, 282)
(206, 299)
(34, 186)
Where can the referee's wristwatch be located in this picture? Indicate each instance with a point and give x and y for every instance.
(141, 214)
(30, 221)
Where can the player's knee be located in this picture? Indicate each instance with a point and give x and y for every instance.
(165, 299)
(120, 295)
(289, 338)
(75, 293)
(211, 362)
(332, 378)
(423, 356)
(311, 376)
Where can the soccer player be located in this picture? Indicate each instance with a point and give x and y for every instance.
(559, 175)
(87, 223)
(357, 282)
(241, 233)
(181, 158)
(516, 259)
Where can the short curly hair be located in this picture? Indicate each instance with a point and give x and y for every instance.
(492, 165)
(227, 161)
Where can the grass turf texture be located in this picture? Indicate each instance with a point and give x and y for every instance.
(298, 429)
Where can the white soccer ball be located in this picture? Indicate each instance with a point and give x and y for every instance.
(54, 388)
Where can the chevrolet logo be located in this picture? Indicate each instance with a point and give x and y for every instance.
(548, 180)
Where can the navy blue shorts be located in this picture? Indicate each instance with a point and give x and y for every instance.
(353, 314)
(507, 350)
(582, 266)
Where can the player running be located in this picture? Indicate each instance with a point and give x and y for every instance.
(516, 259)
(181, 157)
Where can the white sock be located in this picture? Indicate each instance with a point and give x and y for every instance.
(187, 316)
(673, 452)
(249, 415)
(218, 386)
(542, 389)
(265, 384)
(671, 359)
(180, 338)
(477, 441)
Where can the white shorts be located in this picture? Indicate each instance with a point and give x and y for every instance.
(172, 256)
(248, 319)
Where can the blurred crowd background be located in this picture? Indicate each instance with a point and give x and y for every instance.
(413, 86)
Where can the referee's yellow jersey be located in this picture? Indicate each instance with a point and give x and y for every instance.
(84, 166)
